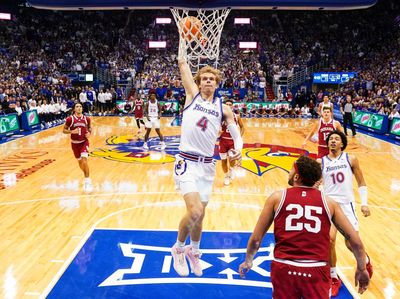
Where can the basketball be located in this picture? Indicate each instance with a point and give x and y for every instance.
(191, 27)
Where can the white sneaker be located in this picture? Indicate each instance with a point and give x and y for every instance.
(145, 146)
(227, 180)
(163, 146)
(194, 260)
(87, 187)
(180, 264)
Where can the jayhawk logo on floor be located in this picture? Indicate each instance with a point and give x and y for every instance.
(257, 157)
(129, 149)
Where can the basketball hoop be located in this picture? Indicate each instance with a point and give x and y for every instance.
(199, 35)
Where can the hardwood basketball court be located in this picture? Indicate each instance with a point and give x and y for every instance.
(46, 218)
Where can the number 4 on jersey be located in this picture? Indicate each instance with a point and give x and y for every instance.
(202, 123)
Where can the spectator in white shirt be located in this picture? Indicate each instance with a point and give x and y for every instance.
(305, 111)
(83, 97)
(394, 113)
(18, 108)
(108, 98)
(102, 102)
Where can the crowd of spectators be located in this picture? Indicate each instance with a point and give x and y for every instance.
(38, 48)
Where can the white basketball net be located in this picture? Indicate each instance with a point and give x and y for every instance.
(199, 45)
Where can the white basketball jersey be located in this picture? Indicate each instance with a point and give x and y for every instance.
(329, 105)
(338, 178)
(201, 125)
(153, 109)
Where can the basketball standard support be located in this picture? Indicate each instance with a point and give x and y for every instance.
(203, 4)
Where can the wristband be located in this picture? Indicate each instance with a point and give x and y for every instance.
(363, 192)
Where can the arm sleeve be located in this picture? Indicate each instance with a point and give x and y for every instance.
(363, 192)
(237, 139)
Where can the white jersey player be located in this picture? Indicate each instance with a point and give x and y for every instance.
(152, 113)
(338, 168)
(338, 178)
(194, 166)
(201, 124)
(325, 103)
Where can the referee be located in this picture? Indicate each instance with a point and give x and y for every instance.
(346, 110)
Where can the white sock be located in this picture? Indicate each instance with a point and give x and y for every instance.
(181, 245)
(333, 273)
(88, 180)
(195, 245)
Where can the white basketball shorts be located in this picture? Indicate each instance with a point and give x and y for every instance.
(191, 176)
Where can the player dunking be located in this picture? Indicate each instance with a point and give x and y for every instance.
(302, 219)
(226, 144)
(324, 126)
(338, 168)
(79, 126)
(194, 166)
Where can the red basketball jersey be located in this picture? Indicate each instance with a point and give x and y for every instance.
(138, 108)
(225, 132)
(301, 225)
(82, 123)
(323, 131)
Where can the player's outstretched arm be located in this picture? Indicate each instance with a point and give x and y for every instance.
(89, 128)
(319, 110)
(66, 128)
(159, 110)
(191, 88)
(346, 229)
(312, 132)
(146, 110)
(362, 186)
(235, 133)
(241, 125)
(263, 224)
(338, 126)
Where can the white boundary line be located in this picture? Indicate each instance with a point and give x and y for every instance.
(84, 196)
(92, 196)
(172, 230)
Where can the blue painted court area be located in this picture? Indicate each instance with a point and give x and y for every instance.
(138, 264)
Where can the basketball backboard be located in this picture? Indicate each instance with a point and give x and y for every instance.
(204, 4)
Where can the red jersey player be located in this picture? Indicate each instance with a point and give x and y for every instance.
(324, 126)
(138, 108)
(226, 144)
(302, 218)
(79, 126)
